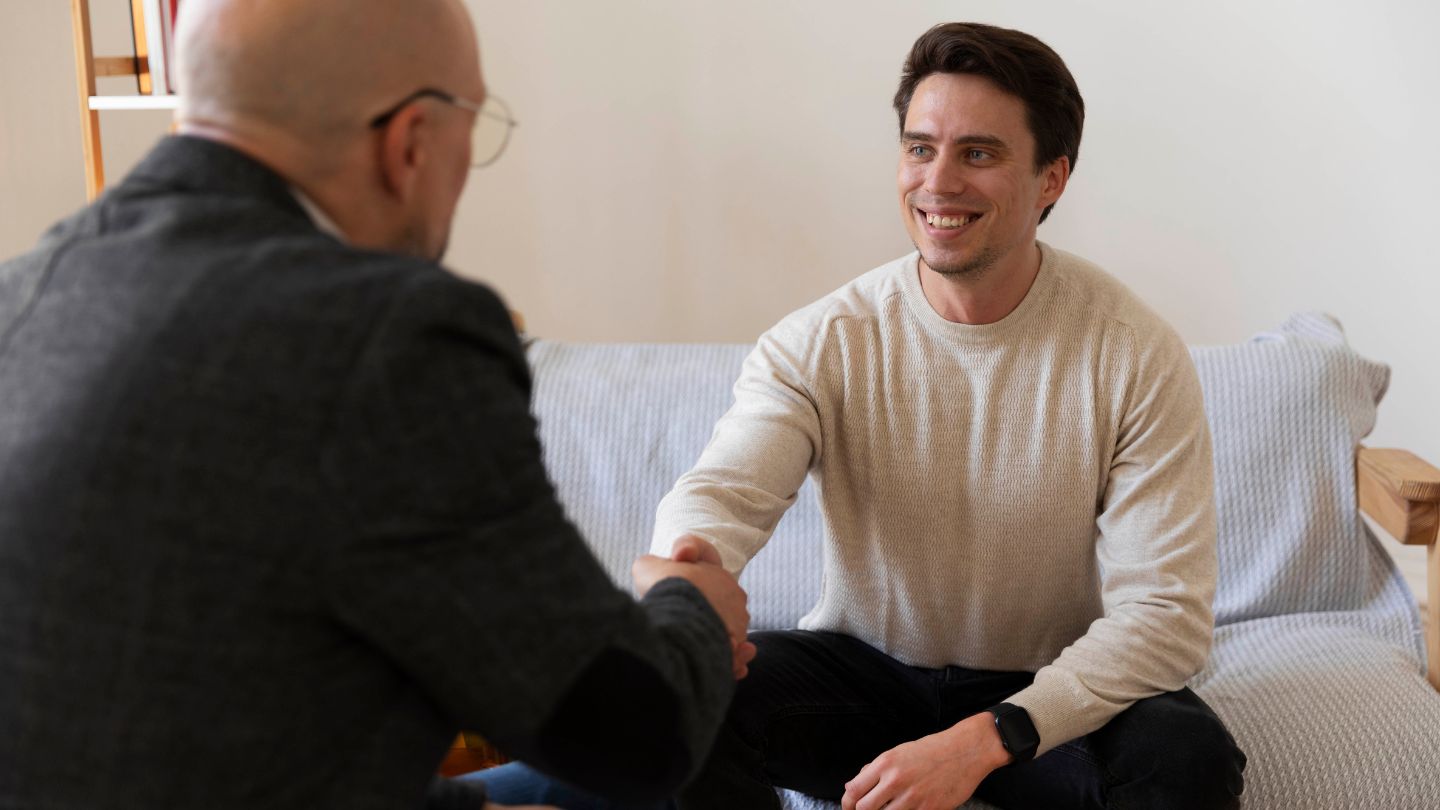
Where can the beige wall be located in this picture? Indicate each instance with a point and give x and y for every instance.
(694, 170)
(42, 175)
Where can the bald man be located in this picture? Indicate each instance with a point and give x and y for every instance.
(273, 519)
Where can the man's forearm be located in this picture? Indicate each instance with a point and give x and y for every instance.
(754, 465)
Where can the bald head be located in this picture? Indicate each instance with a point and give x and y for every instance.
(317, 70)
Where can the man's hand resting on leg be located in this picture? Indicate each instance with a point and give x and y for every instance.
(938, 772)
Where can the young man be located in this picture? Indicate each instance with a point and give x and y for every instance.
(274, 523)
(1015, 471)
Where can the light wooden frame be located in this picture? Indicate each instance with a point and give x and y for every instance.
(89, 67)
(86, 69)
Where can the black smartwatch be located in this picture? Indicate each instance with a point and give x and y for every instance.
(1017, 733)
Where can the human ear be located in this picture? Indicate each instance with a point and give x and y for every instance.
(403, 151)
(1053, 180)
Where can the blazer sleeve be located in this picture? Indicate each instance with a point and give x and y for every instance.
(463, 569)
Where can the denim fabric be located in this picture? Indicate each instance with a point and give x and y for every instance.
(518, 783)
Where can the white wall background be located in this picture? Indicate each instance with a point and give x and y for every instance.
(689, 170)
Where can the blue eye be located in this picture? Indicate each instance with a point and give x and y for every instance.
(977, 154)
(917, 150)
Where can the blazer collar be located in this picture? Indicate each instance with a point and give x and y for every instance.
(188, 163)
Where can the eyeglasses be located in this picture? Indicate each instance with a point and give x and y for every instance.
(489, 133)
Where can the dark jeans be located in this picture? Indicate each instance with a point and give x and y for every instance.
(817, 707)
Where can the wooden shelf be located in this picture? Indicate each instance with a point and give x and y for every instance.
(134, 102)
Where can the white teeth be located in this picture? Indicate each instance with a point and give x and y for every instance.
(948, 222)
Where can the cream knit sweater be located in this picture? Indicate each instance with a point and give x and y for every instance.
(1033, 494)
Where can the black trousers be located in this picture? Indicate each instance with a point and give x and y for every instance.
(817, 707)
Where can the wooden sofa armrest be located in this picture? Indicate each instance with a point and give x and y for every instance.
(1401, 492)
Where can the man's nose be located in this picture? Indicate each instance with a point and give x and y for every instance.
(945, 175)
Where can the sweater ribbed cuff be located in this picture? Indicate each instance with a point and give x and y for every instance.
(1059, 715)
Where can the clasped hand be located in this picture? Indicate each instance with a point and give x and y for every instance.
(696, 560)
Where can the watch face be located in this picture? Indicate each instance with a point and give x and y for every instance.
(1017, 733)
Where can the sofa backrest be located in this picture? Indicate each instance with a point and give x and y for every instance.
(621, 422)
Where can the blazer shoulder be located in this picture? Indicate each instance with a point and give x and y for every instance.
(428, 294)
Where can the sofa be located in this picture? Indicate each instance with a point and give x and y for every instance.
(1319, 661)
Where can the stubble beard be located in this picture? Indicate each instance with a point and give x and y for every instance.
(968, 268)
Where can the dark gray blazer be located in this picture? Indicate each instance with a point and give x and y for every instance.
(274, 525)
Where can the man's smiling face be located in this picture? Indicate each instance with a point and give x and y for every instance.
(969, 192)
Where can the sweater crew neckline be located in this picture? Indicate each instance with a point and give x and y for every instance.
(975, 333)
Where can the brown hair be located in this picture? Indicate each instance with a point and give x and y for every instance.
(1020, 65)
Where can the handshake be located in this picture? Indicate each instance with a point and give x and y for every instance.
(697, 561)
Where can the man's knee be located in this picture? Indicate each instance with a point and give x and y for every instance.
(1173, 751)
(1207, 763)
